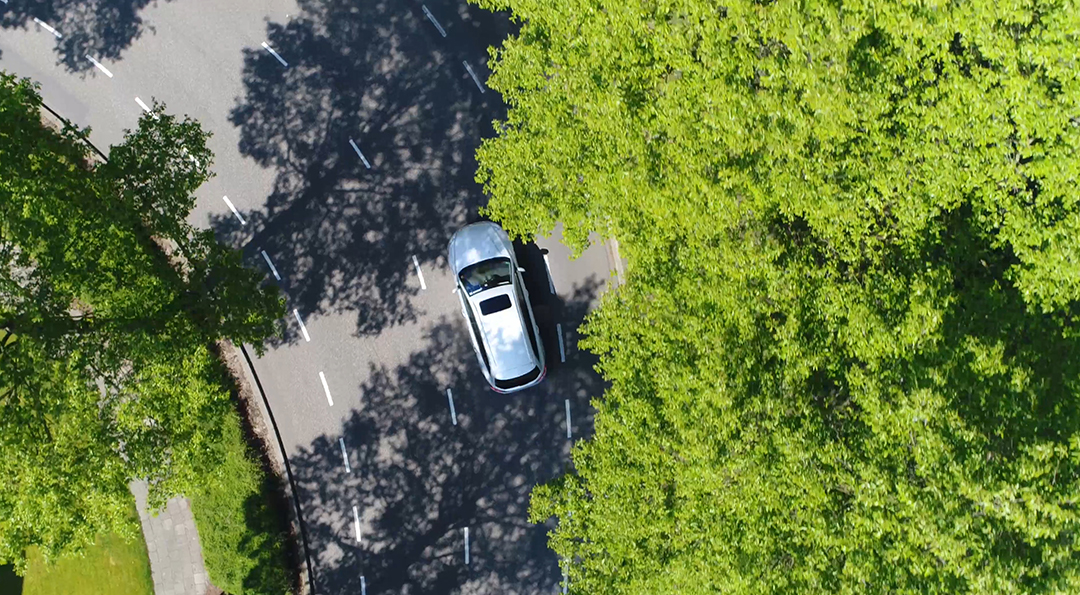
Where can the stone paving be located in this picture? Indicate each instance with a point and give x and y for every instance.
(176, 561)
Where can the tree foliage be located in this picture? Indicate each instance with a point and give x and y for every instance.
(105, 373)
(846, 358)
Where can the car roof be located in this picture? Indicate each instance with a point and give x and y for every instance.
(503, 334)
(476, 243)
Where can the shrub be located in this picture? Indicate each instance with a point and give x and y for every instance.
(243, 542)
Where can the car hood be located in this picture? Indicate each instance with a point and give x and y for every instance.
(475, 243)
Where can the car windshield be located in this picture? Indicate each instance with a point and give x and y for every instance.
(485, 275)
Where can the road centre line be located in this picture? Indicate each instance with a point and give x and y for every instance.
(419, 273)
(473, 75)
(303, 328)
(431, 18)
(275, 54)
(326, 389)
(356, 524)
(345, 455)
(146, 108)
(273, 269)
(562, 348)
(568, 432)
(99, 65)
(551, 282)
(42, 24)
(357, 149)
(453, 412)
(232, 208)
(466, 546)
(190, 156)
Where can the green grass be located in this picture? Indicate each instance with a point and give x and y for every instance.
(112, 565)
(242, 537)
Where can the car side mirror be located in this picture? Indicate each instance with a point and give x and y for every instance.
(455, 289)
(521, 269)
(543, 251)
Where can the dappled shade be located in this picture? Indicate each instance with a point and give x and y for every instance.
(103, 29)
(379, 74)
(418, 480)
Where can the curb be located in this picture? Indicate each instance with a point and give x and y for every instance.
(281, 461)
(615, 261)
(62, 122)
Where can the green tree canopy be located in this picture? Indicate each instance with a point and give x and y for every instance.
(846, 358)
(105, 369)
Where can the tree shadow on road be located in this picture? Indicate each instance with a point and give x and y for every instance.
(379, 75)
(418, 481)
(99, 28)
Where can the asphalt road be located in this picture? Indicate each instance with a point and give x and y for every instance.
(349, 231)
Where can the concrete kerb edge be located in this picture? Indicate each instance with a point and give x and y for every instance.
(50, 116)
(278, 457)
(615, 260)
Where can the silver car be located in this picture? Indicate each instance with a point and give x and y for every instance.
(496, 307)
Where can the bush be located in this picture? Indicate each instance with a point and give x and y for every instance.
(243, 542)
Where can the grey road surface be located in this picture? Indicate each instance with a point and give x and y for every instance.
(344, 135)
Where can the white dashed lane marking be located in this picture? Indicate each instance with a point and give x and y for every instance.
(326, 389)
(46, 27)
(357, 149)
(303, 328)
(453, 412)
(562, 348)
(273, 269)
(431, 18)
(191, 157)
(275, 54)
(473, 75)
(419, 273)
(568, 433)
(345, 455)
(232, 208)
(145, 107)
(99, 66)
(356, 524)
(466, 546)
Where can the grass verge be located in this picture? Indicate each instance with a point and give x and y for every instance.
(243, 541)
(112, 565)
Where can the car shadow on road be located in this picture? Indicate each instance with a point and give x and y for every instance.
(99, 28)
(418, 481)
(378, 76)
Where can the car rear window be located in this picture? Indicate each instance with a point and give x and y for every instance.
(519, 381)
(495, 304)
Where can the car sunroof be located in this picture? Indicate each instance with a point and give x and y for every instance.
(495, 304)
